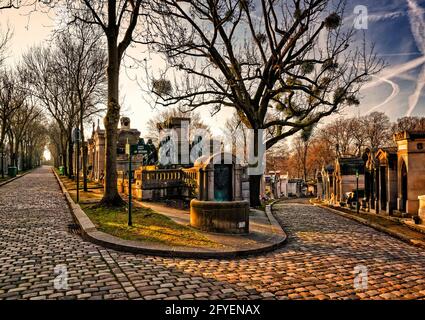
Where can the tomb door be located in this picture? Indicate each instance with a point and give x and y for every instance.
(223, 182)
(383, 187)
(404, 185)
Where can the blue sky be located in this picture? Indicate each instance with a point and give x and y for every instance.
(395, 26)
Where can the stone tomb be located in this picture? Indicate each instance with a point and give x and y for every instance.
(345, 178)
(96, 150)
(411, 170)
(386, 186)
(219, 206)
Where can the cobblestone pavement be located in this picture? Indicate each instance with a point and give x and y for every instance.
(318, 261)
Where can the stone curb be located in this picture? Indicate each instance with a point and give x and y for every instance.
(270, 215)
(417, 243)
(90, 233)
(15, 178)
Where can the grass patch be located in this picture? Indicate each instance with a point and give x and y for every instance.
(148, 226)
(94, 190)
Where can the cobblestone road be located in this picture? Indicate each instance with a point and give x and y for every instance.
(318, 261)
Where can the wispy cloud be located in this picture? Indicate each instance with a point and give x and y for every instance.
(396, 70)
(385, 16)
(394, 93)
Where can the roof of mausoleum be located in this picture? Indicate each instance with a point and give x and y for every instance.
(409, 135)
(217, 158)
(349, 166)
(389, 150)
(172, 122)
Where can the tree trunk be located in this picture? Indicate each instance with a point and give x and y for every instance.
(70, 162)
(63, 154)
(254, 190)
(16, 153)
(255, 180)
(84, 151)
(85, 168)
(23, 160)
(111, 196)
(305, 161)
(11, 156)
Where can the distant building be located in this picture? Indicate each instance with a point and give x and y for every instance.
(410, 170)
(345, 177)
(174, 141)
(96, 150)
(337, 182)
(392, 179)
(386, 186)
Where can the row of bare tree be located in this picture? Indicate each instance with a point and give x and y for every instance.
(67, 79)
(22, 125)
(23, 134)
(55, 88)
(283, 65)
(343, 137)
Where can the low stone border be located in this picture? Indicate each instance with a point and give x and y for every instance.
(90, 233)
(406, 222)
(17, 177)
(272, 219)
(378, 227)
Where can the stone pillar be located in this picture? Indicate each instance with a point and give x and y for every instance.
(237, 183)
(391, 190)
(210, 185)
(100, 159)
(421, 211)
(201, 183)
(378, 189)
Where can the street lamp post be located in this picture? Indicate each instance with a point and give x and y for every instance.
(357, 191)
(77, 138)
(128, 151)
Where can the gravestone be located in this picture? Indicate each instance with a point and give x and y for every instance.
(219, 206)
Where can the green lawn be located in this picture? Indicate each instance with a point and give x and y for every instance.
(148, 225)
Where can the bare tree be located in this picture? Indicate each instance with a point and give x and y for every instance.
(12, 99)
(377, 130)
(80, 55)
(16, 4)
(6, 90)
(357, 130)
(49, 84)
(118, 20)
(305, 136)
(33, 141)
(281, 64)
(338, 135)
(237, 130)
(195, 122)
(5, 37)
(21, 120)
(409, 123)
(69, 80)
(55, 142)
